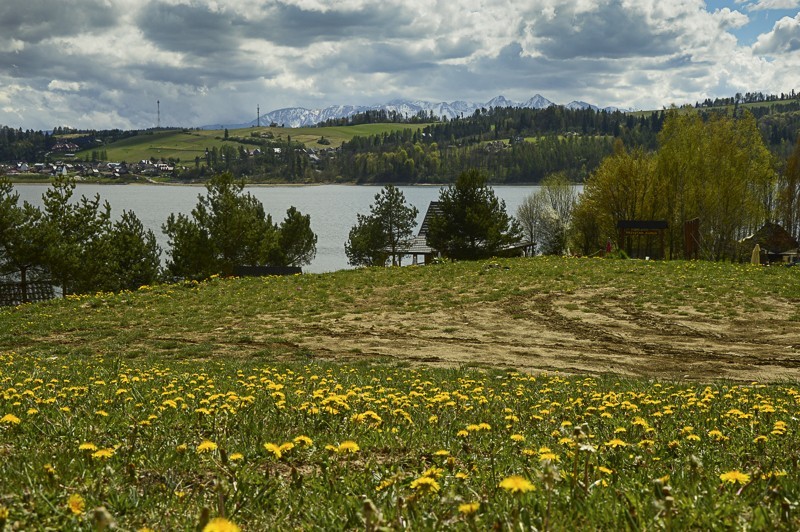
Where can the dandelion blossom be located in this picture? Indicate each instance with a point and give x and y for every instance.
(220, 524)
(305, 441)
(425, 484)
(274, 449)
(469, 508)
(206, 446)
(516, 484)
(348, 447)
(76, 504)
(616, 442)
(235, 457)
(735, 477)
(103, 454)
(88, 446)
(10, 419)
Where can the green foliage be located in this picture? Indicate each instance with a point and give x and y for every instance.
(387, 230)
(788, 208)
(229, 228)
(717, 170)
(473, 222)
(133, 255)
(75, 236)
(297, 243)
(365, 244)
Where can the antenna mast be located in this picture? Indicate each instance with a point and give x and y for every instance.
(258, 114)
(158, 104)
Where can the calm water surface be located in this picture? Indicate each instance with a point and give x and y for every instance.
(333, 208)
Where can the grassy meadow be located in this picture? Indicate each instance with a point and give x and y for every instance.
(188, 144)
(190, 407)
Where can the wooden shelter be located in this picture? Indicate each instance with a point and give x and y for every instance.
(642, 238)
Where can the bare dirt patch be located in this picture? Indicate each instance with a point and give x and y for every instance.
(594, 331)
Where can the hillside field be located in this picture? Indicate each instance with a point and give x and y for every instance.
(188, 144)
(538, 393)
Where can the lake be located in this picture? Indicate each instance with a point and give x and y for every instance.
(333, 208)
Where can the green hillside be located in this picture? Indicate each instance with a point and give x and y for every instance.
(187, 144)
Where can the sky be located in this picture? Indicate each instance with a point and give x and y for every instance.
(105, 64)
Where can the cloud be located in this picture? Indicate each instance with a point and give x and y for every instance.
(213, 61)
(763, 5)
(784, 37)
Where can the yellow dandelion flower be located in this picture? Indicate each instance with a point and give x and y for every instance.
(76, 504)
(104, 454)
(274, 449)
(206, 446)
(220, 524)
(462, 476)
(441, 452)
(425, 484)
(553, 457)
(516, 484)
(616, 442)
(735, 477)
(305, 441)
(469, 508)
(10, 419)
(88, 446)
(605, 470)
(693, 437)
(517, 437)
(181, 448)
(32, 411)
(348, 447)
(760, 439)
(462, 433)
(235, 457)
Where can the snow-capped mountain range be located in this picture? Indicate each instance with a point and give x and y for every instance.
(299, 116)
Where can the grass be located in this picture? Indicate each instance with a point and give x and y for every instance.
(159, 405)
(161, 442)
(188, 144)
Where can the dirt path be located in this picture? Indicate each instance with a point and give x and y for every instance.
(591, 332)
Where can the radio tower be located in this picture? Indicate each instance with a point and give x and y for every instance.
(258, 116)
(158, 104)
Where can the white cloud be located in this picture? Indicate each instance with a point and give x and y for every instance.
(784, 37)
(66, 86)
(762, 5)
(210, 61)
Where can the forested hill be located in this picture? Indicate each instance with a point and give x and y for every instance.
(512, 145)
(516, 145)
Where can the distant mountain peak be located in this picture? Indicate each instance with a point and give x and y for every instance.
(300, 116)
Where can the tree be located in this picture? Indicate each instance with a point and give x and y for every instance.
(789, 193)
(388, 228)
(228, 228)
(546, 215)
(622, 188)
(22, 238)
(74, 236)
(472, 223)
(718, 171)
(365, 245)
(133, 256)
(297, 243)
(531, 214)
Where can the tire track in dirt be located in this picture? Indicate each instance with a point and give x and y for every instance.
(568, 332)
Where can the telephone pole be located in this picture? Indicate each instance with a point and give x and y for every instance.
(158, 105)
